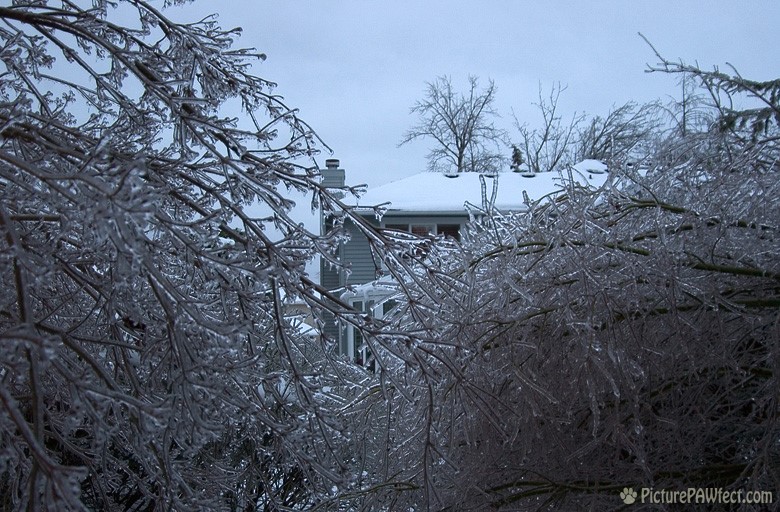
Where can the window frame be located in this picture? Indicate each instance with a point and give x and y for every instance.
(433, 228)
(375, 304)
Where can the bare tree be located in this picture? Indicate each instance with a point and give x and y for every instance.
(756, 126)
(461, 127)
(551, 146)
(625, 133)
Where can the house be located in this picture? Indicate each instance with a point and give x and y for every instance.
(422, 204)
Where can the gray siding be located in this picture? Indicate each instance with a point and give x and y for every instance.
(357, 253)
(329, 275)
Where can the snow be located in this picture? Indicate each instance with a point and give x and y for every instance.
(378, 291)
(298, 322)
(595, 166)
(437, 193)
(380, 286)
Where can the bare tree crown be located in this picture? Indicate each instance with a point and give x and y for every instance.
(460, 125)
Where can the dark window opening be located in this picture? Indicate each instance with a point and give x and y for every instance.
(422, 229)
(388, 305)
(449, 230)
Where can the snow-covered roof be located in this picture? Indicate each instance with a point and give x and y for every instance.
(430, 192)
(378, 291)
(382, 286)
(298, 323)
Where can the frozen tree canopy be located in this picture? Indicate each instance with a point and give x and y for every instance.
(147, 362)
(623, 337)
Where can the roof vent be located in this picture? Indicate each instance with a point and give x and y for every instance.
(332, 163)
(451, 174)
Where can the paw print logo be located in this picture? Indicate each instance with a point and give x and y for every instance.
(628, 495)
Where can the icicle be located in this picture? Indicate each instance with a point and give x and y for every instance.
(483, 192)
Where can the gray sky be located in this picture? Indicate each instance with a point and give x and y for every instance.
(355, 67)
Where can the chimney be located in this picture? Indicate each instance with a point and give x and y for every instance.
(332, 176)
(331, 278)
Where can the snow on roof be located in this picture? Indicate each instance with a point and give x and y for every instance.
(435, 192)
(383, 285)
(298, 323)
(379, 291)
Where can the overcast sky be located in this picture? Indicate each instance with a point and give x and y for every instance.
(355, 67)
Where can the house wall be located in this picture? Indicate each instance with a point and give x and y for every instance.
(357, 253)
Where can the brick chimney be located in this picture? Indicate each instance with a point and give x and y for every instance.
(332, 176)
(331, 278)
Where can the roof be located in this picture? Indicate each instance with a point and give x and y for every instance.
(429, 192)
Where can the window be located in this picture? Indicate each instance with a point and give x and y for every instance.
(422, 229)
(357, 349)
(388, 306)
(377, 305)
(448, 230)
